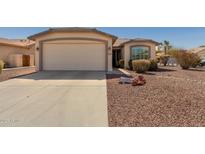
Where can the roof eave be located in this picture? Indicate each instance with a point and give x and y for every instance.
(51, 30)
(15, 45)
(33, 37)
(156, 43)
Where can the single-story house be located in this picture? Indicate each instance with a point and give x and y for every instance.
(86, 49)
(10, 47)
(200, 51)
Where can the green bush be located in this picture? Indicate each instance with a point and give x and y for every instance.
(140, 66)
(130, 64)
(121, 63)
(1, 65)
(153, 65)
(164, 59)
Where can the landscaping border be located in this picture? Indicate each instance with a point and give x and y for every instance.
(10, 73)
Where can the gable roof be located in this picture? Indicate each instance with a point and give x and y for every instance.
(122, 41)
(71, 29)
(22, 43)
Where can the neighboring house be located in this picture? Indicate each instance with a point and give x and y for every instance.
(86, 49)
(200, 51)
(10, 47)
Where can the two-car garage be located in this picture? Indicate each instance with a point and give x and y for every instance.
(73, 49)
(74, 55)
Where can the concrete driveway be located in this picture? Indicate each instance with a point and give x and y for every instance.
(54, 98)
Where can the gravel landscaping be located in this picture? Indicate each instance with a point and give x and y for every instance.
(171, 97)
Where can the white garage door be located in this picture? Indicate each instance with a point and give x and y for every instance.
(74, 55)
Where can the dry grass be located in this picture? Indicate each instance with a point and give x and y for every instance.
(171, 97)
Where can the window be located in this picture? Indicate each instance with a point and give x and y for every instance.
(140, 52)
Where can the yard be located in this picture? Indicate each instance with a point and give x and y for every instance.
(171, 97)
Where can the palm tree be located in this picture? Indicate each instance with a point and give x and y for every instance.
(167, 46)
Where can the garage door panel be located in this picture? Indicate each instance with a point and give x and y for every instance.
(82, 56)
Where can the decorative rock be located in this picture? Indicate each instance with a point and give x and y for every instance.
(124, 80)
(139, 81)
(173, 98)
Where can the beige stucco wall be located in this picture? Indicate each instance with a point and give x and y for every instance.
(16, 60)
(65, 35)
(6, 51)
(126, 50)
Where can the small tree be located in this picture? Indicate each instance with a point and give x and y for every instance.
(167, 46)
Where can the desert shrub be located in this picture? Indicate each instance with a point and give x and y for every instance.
(195, 61)
(1, 65)
(140, 66)
(153, 65)
(175, 52)
(187, 60)
(6, 65)
(164, 59)
(130, 64)
(121, 63)
(158, 59)
(183, 57)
